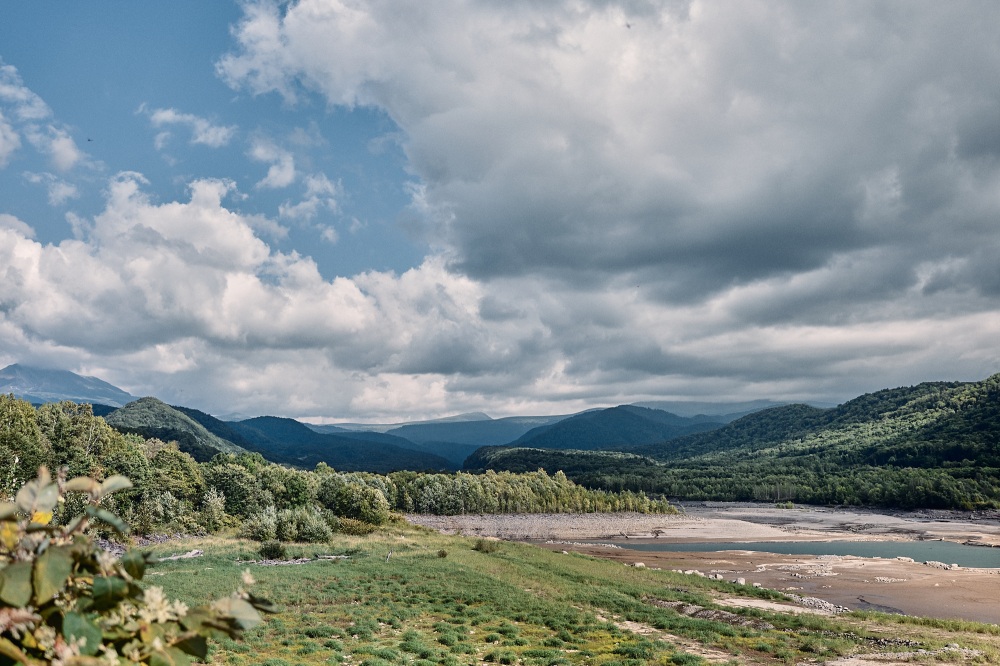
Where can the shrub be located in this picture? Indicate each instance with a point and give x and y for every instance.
(272, 550)
(486, 546)
(302, 524)
(63, 597)
(353, 527)
(442, 553)
(261, 526)
(353, 500)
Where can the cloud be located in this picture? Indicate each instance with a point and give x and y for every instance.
(626, 201)
(59, 191)
(281, 173)
(203, 132)
(707, 145)
(11, 223)
(29, 111)
(9, 141)
(26, 105)
(209, 314)
(320, 193)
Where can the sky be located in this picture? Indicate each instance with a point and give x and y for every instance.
(385, 211)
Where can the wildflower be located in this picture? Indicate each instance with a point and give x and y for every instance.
(156, 607)
(9, 535)
(17, 620)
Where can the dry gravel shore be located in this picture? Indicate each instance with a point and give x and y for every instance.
(855, 582)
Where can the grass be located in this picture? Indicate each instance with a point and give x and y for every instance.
(517, 604)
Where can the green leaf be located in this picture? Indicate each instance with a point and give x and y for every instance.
(114, 484)
(240, 610)
(76, 626)
(134, 563)
(111, 519)
(169, 657)
(82, 484)
(52, 570)
(196, 646)
(109, 590)
(15, 584)
(38, 495)
(12, 652)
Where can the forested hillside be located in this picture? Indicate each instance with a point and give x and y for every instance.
(931, 445)
(152, 418)
(614, 428)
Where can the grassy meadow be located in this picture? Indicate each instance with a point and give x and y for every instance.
(454, 600)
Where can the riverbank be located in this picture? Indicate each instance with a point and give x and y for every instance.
(894, 585)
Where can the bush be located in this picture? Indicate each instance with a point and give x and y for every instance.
(261, 526)
(353, 527)
(353, 500)
(272, 550)
(442, 553)
(486, 546)
(302, 524)
(63, 597)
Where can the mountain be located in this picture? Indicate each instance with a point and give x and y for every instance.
(150, 417)
(291, 442)
(386, 427)
(41, 385)
(453, 438)
(614, 428)
(933, 445)
(727, 410)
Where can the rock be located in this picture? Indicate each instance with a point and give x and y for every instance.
(757, 585)
(639, 565)
(741, 581)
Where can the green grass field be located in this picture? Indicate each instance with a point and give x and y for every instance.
(439, 600)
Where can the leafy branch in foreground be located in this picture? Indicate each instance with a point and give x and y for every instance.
(65, 600)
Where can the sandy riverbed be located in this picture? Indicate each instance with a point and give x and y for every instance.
(909, 587)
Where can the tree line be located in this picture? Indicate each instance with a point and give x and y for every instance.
(264, 500)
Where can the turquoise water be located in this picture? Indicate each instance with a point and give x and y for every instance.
(921, 551)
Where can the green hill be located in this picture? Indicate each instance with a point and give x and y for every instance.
(934, 445)
(614, 428)
(150, 417)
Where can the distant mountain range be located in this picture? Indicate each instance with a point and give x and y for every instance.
(41, 385)
(424, 445)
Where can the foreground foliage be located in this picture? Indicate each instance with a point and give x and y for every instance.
(65, 600)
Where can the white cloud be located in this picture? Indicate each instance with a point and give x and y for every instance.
(59, 191)
(57, 144)
(208, 314)
(9, 141)
(281, 173)
(18, 103)
(203, 132)
(11, 223)
(320, 193)
(329, 234)
(26, 105)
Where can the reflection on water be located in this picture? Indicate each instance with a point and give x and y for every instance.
(921, 551)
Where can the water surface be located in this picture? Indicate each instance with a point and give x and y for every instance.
(921, 551)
